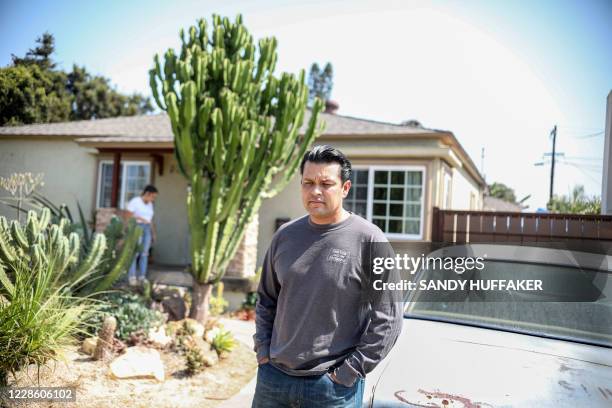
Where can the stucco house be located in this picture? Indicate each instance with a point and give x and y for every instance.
(401, 173)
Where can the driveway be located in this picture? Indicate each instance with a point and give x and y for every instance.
(243, 331)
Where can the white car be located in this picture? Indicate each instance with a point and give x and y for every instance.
(515, 350)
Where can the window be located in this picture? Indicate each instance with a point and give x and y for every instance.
(133, 177)
(390, 197)
(357, 198)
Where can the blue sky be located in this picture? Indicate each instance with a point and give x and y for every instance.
(499, 74)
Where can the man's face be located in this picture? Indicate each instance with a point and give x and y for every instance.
(323, 191)
(149, 197)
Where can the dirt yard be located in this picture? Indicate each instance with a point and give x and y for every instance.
(95, 388)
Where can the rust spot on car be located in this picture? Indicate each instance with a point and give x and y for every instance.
(603, 392)
(437, 399)
(566, 385)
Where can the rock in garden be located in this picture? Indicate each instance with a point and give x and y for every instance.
(138, 362)
(159, 337)
(175, 307)
(89, 345)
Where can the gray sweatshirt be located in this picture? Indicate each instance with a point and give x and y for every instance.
(312, 316)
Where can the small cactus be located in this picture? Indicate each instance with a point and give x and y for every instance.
(195, 360)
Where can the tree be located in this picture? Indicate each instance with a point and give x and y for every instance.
(41, 55)
(237, 136)
(33, 91)
(28, 94)
(94, 98)
(320, 82)
(575, 203)
(503, 192)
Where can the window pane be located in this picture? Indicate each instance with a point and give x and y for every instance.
(413, 210)
(414, 178)
(414, 194)
(362, 193)
(411, 227)
(379, 209)
(397, 194)
(395, 210)
(137, 179)
(395, 226)
(360, 209)
(106, 184)
(362, 176)
(380, 193)
(380, 177)
(397, 177)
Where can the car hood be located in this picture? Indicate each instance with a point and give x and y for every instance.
(445, 365)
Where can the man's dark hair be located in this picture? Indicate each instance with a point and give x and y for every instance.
(328, 154)
(149, 189)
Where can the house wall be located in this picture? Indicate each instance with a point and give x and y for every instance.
(463, 188)
(69, 170)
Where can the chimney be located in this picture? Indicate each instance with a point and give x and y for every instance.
(331, 106)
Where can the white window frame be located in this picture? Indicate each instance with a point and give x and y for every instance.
(123, 179)
(370, 198)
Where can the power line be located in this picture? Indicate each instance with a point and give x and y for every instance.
(590, 135)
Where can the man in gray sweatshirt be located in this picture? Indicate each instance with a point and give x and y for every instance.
(319, 327)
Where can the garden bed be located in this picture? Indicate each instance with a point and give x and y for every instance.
(96, 388)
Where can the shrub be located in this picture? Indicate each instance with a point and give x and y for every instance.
(38, 319)
(217, 303)
(131, 312)
(194, 360)
(223, 342)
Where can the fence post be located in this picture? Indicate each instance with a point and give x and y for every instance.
(436, 224)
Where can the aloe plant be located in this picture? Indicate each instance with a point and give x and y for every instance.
(237, 136)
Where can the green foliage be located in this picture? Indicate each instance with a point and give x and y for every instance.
(236, 126)
(251, 301)
(223, 342)
(29, 94)
(131, 312)
(575, 203)
(41, 55)
(33, 91)
(194, 360)
(217, 303)
(40, 246)
(121, 242)
(320, 83)
(503, 192)
(38, 317)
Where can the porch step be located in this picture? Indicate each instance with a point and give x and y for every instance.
(176, 276)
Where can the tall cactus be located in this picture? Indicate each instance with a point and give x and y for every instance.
(41, 246)
(237, 136)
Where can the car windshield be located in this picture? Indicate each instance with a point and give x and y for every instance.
(545, 313)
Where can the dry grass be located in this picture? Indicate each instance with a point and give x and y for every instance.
(95, 388)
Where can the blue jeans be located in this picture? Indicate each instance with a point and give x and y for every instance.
(275, 389)
(143, 256)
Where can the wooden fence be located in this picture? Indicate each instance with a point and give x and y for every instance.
(488, 226)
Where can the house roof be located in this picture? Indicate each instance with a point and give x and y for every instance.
(155, 130)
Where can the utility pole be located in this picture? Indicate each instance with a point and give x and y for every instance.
(552, 164)
(482, 157)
